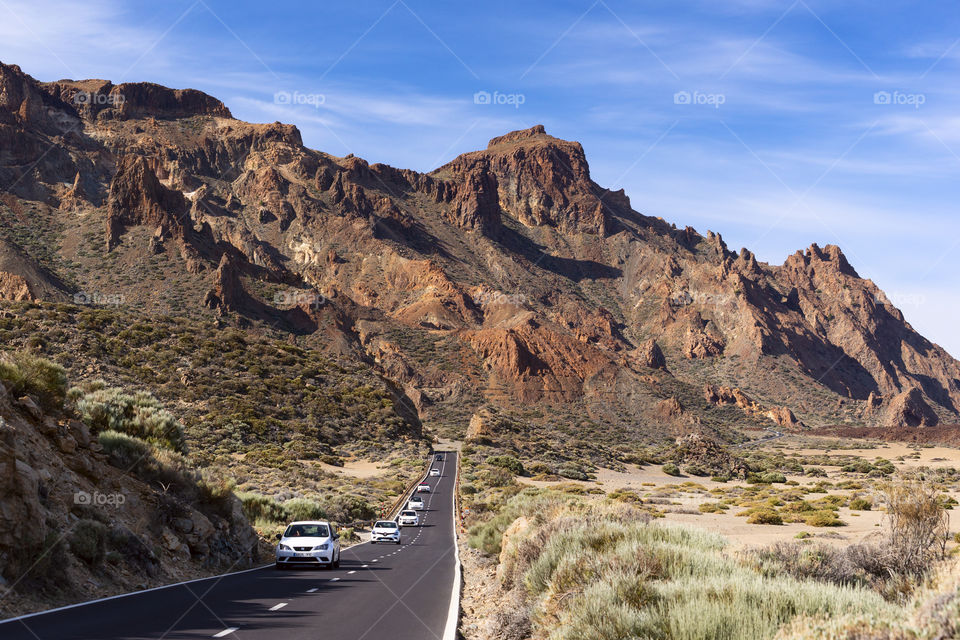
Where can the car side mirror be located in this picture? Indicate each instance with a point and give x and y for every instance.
(279, 536)
(336, 536)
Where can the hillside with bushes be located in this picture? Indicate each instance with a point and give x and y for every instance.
(99, 495)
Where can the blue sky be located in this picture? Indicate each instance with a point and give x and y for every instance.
(778, 124)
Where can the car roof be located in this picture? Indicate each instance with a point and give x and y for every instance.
(310, 522)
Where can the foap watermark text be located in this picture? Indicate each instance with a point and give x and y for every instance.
(699, 98)
(497, 98)
(97, 499)
(297, 98)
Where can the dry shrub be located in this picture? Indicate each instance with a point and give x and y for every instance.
(918, 522)
(915, 539)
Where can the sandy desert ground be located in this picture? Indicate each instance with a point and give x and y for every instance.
(679, 498)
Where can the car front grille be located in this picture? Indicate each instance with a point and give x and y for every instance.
(302, 548)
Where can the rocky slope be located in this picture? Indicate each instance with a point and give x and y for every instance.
(74, 524)
(506, 277)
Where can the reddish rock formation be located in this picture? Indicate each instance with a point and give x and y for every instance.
(649, 355)
(227, 293)
(906, 409)
(14, 287)
(541, 180)
(719, 395)
(783, 417)
(138, 198)
(594, 293)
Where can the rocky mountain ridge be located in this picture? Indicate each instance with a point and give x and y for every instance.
(506, 276)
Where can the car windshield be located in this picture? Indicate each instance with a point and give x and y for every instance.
(409, 513)
(386, 524)
(307, 531)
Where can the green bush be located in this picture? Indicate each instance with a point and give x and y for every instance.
(88, 541)
(124, 451)
(671, 469)
(509, 463)
(498, 477)
(861, 504)
(712, 507)
(261, 508)
(347, 509)
(537, 468)
(823, 518)
(24, 373)
(139, 415)
(765, 516)
(767, 477)
(303, 509)
(572, 471)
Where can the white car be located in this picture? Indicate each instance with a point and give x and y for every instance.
(415, 503)
(408, 518)
(308, 543)
(423, 488)
(434, 473)
(385, 531)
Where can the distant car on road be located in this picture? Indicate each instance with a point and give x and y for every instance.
(385, 531)
(415, 503)
(409, 518)
(434, 473)
(423, 488)
(308, 543)
(439, 457)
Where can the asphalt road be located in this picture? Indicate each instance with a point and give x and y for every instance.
(380, 591)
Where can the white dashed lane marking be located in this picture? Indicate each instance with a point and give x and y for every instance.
(350, 572)
(311, 590)
(334, 579)
(277, 607)
(225, 632)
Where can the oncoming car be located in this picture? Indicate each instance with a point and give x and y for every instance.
(385, 531)
(408, 518)
(313, 543)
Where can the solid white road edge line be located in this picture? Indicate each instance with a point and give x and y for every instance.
(453, 615)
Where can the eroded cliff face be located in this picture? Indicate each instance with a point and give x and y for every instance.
(533, 283)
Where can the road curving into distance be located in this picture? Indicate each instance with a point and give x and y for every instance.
(401, 592)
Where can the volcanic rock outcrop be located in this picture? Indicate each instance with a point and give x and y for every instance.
(505, 276)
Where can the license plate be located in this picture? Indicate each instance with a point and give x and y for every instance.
(304, 555)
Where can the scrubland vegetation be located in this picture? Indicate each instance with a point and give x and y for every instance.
(580, 562)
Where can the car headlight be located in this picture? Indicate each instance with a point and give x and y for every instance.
(322, 547)
(284, 547)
